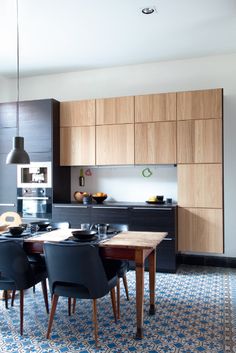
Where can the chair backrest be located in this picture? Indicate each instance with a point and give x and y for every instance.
(10, 218)
(76, 264)
(14, 264)
(59, 225)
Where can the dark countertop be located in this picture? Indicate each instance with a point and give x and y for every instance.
(125, 204)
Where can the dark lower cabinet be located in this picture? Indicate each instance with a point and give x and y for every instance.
(7, 185)
(137, 218)
(72, 214)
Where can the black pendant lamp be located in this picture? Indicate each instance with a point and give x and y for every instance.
(18, 155)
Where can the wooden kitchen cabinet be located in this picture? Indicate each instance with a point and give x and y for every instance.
(199, 141)
(115, 144)
(202, 104)
(119, 110)
(77, 113)
(201, 230)
(200, 185)
(155, 143)
(77, 146)
(155, 107)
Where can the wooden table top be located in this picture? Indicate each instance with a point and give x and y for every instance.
(144, 240)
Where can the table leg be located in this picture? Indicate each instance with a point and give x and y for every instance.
(152, 280)
(139, 263)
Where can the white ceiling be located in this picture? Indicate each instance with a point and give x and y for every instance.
(70, 35)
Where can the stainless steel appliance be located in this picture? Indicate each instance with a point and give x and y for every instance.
(33, 203)
(34, 175)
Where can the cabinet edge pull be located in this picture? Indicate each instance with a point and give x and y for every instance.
(7, 204)
(112, 207)
(69, 206)
(156, 208)
(169, 239)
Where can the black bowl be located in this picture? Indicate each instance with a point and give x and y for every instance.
(160, 198)
(16, 230)
(83, 234)
(42, 225)
(99, 199)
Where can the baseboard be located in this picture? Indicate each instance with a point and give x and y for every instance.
(206, 260)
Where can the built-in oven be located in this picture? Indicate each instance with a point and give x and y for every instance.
(33, 203)
(34, 175)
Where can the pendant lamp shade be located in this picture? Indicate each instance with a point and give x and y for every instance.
(18, 155)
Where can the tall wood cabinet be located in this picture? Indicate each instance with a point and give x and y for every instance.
(77, 133)
(200, 171)
(155, 129)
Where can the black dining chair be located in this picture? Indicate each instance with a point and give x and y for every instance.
(16, 273)
(76, 271)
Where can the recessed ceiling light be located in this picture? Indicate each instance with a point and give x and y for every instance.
(148, 10)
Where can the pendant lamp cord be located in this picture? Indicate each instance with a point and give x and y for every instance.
(18, 69)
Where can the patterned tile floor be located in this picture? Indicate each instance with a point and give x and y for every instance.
(195, 312)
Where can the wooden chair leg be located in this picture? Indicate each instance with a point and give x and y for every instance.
(21, 310)
(118, 298)
(51, 317)
(126, 286)
(69, 306)
(45, 294)
(13, 297)
(5, 296)
(95, 321)
(113, 301)
(74, 304)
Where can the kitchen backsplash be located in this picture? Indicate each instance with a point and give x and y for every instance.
(127, 183)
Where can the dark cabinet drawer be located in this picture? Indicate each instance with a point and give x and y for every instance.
(6, 138)
(7, 186)
(74, 215)
(7, 115)
(115, 215)
(156, 219)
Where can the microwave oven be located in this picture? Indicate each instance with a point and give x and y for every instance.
(34, 175)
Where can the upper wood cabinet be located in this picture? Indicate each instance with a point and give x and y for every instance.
(118, 110)
(77, 146)
(115, 144)
(201, 230)
(77, 113)
(199, 141)
(155, 143)
(204, 104)
(155, 107)
(200, 185)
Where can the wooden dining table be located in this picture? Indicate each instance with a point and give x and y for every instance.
(136, 246)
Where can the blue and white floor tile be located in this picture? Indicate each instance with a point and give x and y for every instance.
(195, 312)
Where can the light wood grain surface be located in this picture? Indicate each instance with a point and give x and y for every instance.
(144, 240)
(77, 113)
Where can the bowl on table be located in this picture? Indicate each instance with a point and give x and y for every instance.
(16, 230)
(40, 225)
(84, 235)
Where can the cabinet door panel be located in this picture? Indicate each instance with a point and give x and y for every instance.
(77, 113)
(115, 144)
(200, 185)
(205, 104)
(7, 185)
(115, 215)
(155, 143)
(7, 115)
(118, 110)
(35, 125)
(199, 141)
(155, 107)
(77, 146)
(200, 230)
(6, 138)
(74, 215)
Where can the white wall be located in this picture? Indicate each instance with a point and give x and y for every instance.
(128, 183)
(197, 73)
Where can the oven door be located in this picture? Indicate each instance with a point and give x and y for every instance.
(34, 207)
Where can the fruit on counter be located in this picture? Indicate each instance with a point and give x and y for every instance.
(78, 195)
(152, 199)
(99, 194)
